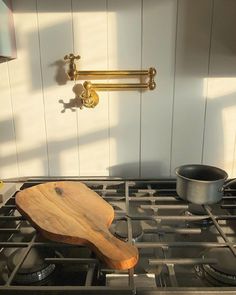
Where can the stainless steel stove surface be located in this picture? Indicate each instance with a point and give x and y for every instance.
(183, 248)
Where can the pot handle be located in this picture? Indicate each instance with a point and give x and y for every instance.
(228, 183)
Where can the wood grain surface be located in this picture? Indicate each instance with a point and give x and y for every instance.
(70, 212)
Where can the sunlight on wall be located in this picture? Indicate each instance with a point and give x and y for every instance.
(221, 92)
(91, 154)
(229, 128)
(220, 123)
(113, 39)
(90, 30)
(220, 86)
(90, 42)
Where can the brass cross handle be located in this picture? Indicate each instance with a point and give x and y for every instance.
(72, 72)
(71, 57)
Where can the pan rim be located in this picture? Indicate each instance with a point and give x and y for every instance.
(204, 166)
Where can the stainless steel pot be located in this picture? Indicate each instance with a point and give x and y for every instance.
(201, 184)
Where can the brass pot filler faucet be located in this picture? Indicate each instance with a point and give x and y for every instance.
(89, 96)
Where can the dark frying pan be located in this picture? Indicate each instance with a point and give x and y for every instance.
(201, 184)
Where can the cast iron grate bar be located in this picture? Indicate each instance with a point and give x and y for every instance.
(182, 261)
(72, 260)
(82, 290)
(228, 206)
(151, 198)
(11, 218)
(9, 230)
(130, 233)
(164, 251)
(164, 230)
(183, 218)
(89, 275)
(181, 244)
(9, 238)
(172, 275)
(229, 198)
(229, 244)
(20, 261)
(169, 207)
(170, 266)
(9, 206)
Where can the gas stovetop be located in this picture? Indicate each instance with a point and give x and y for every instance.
(183, 248)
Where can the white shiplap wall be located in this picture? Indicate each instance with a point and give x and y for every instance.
(189, 118)
(191, 69)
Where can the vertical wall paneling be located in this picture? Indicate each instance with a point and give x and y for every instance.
(56, 40)
(189, 118)
(8, 157)
(221, 97)
(124, 51)
(159, 34)
(90, 42)
(192, 57)
(26, 89)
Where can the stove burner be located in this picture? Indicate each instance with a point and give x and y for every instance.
(197, 210)
(121, 230)
(34, 268)
(224, 271)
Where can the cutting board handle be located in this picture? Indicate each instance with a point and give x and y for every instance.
(116, 253)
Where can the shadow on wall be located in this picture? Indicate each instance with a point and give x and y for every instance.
(61, 77)
(192, 53)
(55, 68)
(127, 169)
(5, 135)
(73, 103)
(7, 146)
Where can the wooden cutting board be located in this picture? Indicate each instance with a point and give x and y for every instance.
(70, 212)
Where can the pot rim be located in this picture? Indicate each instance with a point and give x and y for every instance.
(200, 165)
